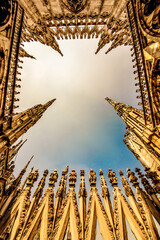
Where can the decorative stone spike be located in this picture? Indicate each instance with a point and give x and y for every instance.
(53, 178)
(154, 178)
(61, 191)
(112, 178)
(127, 188)
(72, 178)
(145, 182)
(92, 178)
(19, 178)
(21, 123)
(82, 188)
(132, 178)
(140, 133)
(24, 183)
(32, 178)
(105, 191)
(38, 192)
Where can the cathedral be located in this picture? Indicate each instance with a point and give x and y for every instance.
(65, 214)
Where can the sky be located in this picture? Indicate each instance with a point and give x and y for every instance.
(80, 129)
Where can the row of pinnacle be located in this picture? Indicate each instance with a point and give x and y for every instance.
(92, 178)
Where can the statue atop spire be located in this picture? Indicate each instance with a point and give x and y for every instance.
(92, 178)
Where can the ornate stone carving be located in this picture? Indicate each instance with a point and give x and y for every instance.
(105, 191)
(75, 6)
(112, 177)
(155, 179)
(44, 21)
(5, 12)
(127, 188)
(92, 178)
(132, 178)
(148, 12)
(72, 178)
(82, 189)
(149, 189)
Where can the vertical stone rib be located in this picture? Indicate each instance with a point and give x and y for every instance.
(37, 195)
(106, 198)
(82, 201)
(23, 200)
(60, 194)
(119, 217)
(47, 215)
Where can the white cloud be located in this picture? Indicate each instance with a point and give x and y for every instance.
(71, 129)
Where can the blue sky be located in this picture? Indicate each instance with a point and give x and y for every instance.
(80, 129)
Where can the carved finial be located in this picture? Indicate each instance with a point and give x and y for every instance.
(147, 169)
(104, 39)
(92, 178)
(121, 173)
(105, 191)
(82, 188)
(72, 178)
(49, 103)
(32, 178)
(113, 103)
(145, 182)
(122, 38)
(154, 178)
(112, 177)
(110, 49)
(132, 178)
(61, 191)
(19, 178)
(53, 178)
(82, 172)
(14, 150)
(127, 188)
(38, 192)
(100, 172)
(24, 183)
(67, 167)
(23, 53)
(45, 173)
(138, 171)
(123, 110)
(63, 172)
(58, 50)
